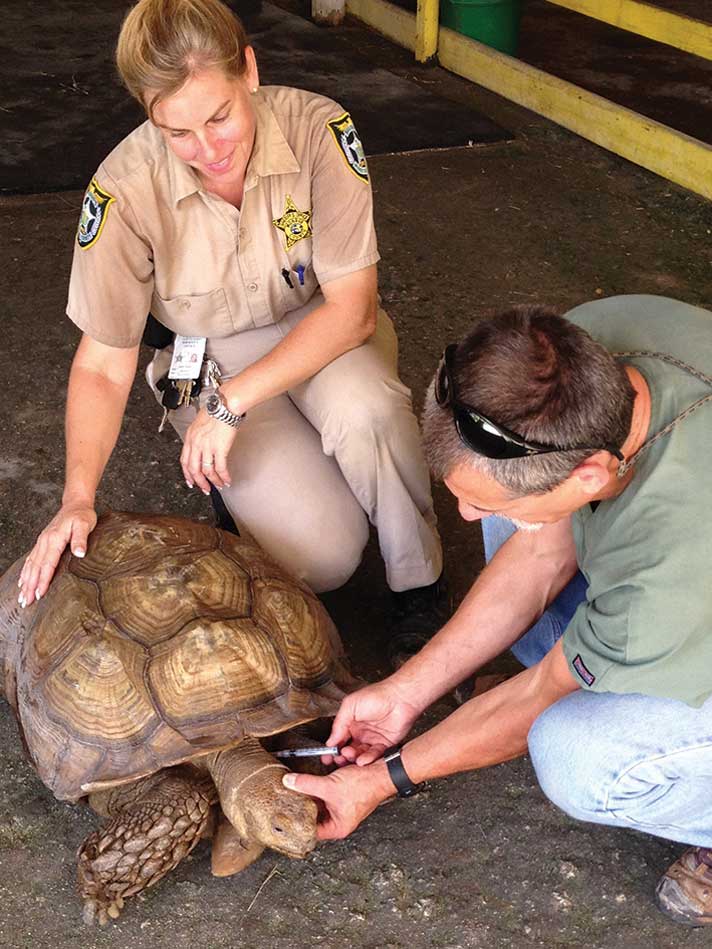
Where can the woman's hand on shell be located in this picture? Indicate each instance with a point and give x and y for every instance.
(205, 450)
(71, 526)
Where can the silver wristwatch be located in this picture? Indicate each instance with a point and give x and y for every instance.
(216, 407)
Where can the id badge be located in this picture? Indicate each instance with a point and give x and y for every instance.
(188, 352)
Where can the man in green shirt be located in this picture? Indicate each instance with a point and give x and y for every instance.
(591, 437)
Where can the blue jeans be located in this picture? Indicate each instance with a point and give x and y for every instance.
(625, 760)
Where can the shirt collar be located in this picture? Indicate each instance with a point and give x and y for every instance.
(183, 180)
(271, 155)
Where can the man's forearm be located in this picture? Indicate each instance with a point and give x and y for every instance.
(509, 595)
(492, 727)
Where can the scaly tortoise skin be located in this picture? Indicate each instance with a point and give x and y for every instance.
(142, 680)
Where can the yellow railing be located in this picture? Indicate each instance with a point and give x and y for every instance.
(426, 29)
(660, 149)
(650, 21)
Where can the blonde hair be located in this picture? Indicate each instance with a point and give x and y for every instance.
(164, 42)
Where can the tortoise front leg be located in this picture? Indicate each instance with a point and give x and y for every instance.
(231, 853)
(156, 821)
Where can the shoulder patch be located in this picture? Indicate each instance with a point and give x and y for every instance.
(95, 208)
(349, 144)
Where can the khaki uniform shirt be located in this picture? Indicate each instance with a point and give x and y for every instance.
(151, 239)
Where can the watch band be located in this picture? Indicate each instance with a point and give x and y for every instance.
(216, 408)
(399, 776)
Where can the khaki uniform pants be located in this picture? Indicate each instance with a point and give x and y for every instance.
(311, 467)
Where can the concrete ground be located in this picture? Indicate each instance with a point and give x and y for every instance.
(480, 860)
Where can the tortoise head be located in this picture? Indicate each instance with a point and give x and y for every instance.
(285, 821)
(257, 804)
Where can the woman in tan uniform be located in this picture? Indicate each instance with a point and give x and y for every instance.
(242, 216)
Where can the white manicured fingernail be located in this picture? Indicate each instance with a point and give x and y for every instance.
(79, 552)
(19, 583)
(188, 484)
(288, 780)
(37, 594)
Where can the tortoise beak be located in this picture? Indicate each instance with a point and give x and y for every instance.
(298, 849)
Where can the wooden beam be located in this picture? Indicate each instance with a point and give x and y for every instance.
(426, 30)
(663, 26)
(397, 24)
(662, 150)
(654, 146)
(328, 12)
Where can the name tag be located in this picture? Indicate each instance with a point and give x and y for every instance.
(188, 352)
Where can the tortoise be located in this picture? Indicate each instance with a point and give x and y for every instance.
(143, 680)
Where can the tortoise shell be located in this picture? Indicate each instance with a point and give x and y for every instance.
(168, 640)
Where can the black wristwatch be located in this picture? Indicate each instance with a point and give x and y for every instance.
(398, 774)
(216, 407)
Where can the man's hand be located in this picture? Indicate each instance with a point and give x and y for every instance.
(71, 525)
(370, 721)
(347, 796)
(204, 457)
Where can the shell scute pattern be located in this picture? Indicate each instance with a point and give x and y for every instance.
(294, 621)
(170, 639)
(127, 544)
(160, 599)
(234, 660)
(99, 689)
(63, 624)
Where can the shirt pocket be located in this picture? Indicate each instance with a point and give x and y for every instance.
(195, 314)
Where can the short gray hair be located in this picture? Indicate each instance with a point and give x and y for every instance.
(541, 376)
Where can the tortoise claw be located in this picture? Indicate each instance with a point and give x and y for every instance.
(90, 912)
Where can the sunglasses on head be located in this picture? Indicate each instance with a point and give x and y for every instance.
(485, 437)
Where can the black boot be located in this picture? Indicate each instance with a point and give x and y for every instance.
(223, 518)
(416, 616)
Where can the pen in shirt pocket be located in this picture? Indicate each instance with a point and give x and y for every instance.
(299, 271)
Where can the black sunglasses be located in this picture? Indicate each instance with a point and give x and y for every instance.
(484, 436)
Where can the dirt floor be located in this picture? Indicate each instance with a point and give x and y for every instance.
(480, 860)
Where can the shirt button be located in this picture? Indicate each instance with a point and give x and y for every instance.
(242, 233)
(185, 304)
(252, 287)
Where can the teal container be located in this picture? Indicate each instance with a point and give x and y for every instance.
(492, 22)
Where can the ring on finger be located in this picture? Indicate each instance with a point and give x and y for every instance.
(207, 465)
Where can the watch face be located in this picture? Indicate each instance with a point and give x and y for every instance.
(213, 404)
